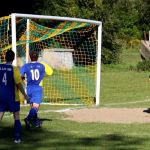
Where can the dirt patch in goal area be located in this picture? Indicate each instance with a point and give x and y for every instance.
(109, 115)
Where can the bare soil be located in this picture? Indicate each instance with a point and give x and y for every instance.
(109, 115)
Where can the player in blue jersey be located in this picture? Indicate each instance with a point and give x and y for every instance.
(34, 73)
(10, 82)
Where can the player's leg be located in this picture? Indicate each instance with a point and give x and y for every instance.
(17, 127)
(15, 108)
(36, 122)
(36, 104)
(32, 119)
(33, 111)
(35, 96)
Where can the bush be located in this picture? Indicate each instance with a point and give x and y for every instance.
(110, 51)
(143, 65)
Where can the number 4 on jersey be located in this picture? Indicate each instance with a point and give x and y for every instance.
(4, 79)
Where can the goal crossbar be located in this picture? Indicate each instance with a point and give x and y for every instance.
(56, 18)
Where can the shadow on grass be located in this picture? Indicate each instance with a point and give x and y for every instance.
(44, 119)
(43, 139)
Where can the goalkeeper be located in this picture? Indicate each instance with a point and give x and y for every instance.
(34, 73)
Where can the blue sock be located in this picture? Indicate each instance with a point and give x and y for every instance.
(32, 113)
(17, 129)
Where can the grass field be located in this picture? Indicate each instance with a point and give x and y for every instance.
(122, 87)
(59, 134)
(119, 88)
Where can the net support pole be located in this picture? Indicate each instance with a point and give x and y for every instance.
(27, 40)
(98, 74)
(13, 30)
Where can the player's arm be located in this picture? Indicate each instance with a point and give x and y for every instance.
(22, 72)
(20, 87)
(48, 71)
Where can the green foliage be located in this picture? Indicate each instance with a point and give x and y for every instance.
(143, 65)
(121, 19)
(144, 15)
(110, 53)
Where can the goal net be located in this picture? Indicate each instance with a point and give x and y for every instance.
(71, 46)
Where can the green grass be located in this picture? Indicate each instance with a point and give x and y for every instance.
(125, 87)
(59, 134)
(120, 87)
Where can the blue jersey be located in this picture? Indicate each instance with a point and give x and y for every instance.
(34, 72)
(7, 83)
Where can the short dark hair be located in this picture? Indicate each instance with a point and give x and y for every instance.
(10, 55)
(34, 55)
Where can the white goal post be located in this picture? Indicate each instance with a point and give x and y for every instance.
(81, 68)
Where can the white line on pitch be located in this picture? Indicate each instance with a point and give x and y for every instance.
(134, 102)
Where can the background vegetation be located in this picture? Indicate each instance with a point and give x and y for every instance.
(123, 20)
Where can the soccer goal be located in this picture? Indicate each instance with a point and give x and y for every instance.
(71, 46)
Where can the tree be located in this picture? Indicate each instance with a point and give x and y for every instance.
(120, 18)
(144, 16)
